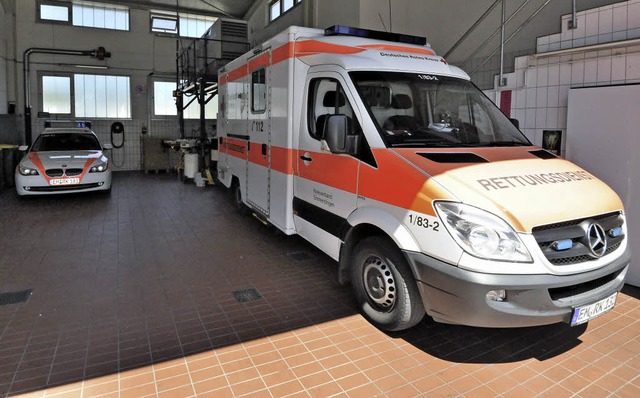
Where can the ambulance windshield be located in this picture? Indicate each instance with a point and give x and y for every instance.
(433, 111)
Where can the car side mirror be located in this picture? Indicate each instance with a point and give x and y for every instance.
(515, 122)
(338, 135)
(107, 146)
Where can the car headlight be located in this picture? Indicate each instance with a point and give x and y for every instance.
(27, 171)
(98, 168)
(481, 233)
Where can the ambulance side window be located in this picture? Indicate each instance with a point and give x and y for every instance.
(258, 91)
(326, 97)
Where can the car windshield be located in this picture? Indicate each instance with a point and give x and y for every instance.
(66, 142)
(433, 111)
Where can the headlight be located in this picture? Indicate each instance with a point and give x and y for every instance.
(27, 171)
(98, 168)
(481, 233)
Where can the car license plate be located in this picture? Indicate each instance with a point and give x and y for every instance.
(64, 181)
(588, 312)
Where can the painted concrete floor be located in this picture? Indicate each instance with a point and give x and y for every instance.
(162, 289)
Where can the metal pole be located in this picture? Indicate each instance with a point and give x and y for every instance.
(501, 80)
(511, 36)
(484, 44)
(573, 24)
(27, 81)
(472, 28)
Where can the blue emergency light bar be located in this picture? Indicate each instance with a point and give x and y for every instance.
(339, 30)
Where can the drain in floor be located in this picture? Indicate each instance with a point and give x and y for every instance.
(242, 296)
(15, 297)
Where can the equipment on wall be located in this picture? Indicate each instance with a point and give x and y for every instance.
(117, 129)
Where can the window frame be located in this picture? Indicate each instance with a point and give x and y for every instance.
(73, 112)
(153, 15)
(53, 3)
(103, 6)
(282, 11)
(195, 104)
(254, 73)
(41, 76)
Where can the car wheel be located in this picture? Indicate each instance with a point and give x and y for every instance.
(237, 199)
(384, 286)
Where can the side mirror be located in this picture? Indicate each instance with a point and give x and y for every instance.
(515, 122)
(338, 135)
(107, 146)
(23, 148)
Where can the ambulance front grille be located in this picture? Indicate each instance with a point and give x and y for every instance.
(576, 231)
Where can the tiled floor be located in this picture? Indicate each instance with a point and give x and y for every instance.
(133, 295)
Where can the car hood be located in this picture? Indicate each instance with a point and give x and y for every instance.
(525, 185)
(64, 159)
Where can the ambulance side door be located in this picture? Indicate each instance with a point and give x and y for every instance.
(258, 117)
(325, 184)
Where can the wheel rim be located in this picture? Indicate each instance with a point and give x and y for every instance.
(379, 283)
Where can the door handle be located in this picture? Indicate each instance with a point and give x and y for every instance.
(264, 149)
(306, 158)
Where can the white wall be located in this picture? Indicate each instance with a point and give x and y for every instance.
(3, 60)
(136, 53)
(602, 137)
(540, 86)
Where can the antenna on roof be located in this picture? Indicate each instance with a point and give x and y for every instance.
(390, 26)
(383, 25)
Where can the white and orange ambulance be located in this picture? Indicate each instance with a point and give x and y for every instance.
(393, 163)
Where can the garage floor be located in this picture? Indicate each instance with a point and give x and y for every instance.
(161, 289)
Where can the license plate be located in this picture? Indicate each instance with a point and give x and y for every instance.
(588, 312)
(64, 181)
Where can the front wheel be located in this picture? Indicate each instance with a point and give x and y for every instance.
(384, 286)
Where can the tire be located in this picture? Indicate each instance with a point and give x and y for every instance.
(237, 199)
(384, 286)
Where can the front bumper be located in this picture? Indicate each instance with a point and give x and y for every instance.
(38, 185)
(454, 295)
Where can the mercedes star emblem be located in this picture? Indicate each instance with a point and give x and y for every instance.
(597, 239)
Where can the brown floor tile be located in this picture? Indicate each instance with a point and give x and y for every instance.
(178, 331)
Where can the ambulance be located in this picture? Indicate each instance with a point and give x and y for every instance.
(389, 160)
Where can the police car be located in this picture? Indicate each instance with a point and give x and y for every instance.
(64, 160)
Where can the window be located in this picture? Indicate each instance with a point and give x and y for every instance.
(279, 7)
(92, 15)
(194, 25)
(99, 16)
(165, 105)
(184, 25)
(327, 97)
(274, 10)
(164, 24)
(56, 94)
(52, 11)
(96, 96)
(258, 91)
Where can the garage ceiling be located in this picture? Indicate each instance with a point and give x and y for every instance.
(221, 8)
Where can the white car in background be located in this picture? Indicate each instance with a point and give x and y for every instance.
(64, 160)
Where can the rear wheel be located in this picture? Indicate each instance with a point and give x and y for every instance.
(384, 286)
(237, 198)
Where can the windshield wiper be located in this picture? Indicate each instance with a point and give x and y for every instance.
(426, 144)
(506, 143)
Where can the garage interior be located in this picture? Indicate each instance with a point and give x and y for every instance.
(162, 289)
